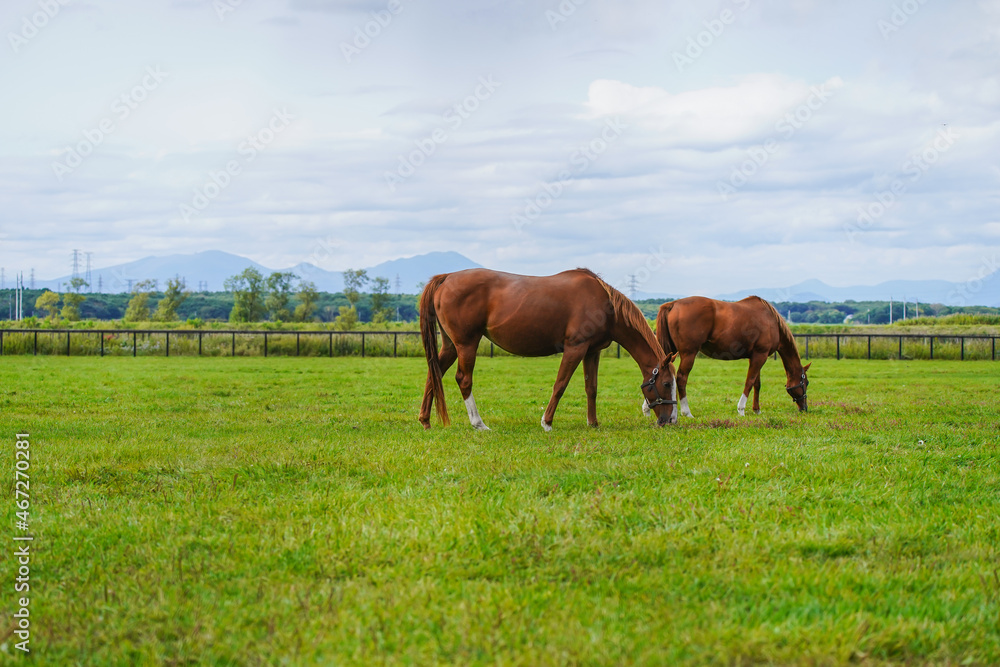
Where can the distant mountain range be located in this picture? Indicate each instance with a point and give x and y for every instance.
(208, 270)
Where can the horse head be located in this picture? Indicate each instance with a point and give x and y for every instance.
(798, 390)
(659, 388)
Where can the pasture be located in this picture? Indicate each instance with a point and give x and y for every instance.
(292, 510)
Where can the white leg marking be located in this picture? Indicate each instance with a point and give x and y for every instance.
(741, 406)
(685, 410)
(474, 418)
(547, 427)
(645, 407)
(673, 397)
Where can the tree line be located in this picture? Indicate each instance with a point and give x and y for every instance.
(249, 297)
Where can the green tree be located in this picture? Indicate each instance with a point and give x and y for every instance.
(48, 301)
(248, 300)
(308, 296)
(173, 297)
(354, 281)
(279, 295)
(72, 300)
(380, 300)
(347, 319)
(138, 305)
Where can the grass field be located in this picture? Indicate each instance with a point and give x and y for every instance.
(292, 511)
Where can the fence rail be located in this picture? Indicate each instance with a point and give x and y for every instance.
(164, 342)
(217, 343)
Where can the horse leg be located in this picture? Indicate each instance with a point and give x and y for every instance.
(445, 358)
(572, 356)
(466, 364)
(590, 363)
(753, 373)
(683, 370)
(756, 395)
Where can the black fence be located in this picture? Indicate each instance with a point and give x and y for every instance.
(166, 342)
(209, 343)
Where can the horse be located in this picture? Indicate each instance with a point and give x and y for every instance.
(574, 312)
(747, 329)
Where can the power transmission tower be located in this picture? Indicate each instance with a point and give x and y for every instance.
(32, 279)
(100, 283)
(88, 278)
(76, 263)
(633, 285)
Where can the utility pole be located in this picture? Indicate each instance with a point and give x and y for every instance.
(32, 283)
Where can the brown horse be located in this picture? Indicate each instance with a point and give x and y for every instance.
(748, 329)
(573, 312)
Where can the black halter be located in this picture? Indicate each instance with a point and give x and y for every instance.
(804, 384)
(652, 384)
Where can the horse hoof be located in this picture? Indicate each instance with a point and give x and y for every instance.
(482, 427)
(592, 425)
(547, 427)
(427, 425)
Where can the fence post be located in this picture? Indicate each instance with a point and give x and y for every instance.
(838, 347)
(619, 351)
(491, 349)
(101, 334)
(932, 347)
(67, 342)
(869, 348)
(233, 354)
(963, 348)
(199, 343)
(993, 348)
(297, 337)
(900, 356)
(395, 336)
(135, 344)
(807, 348)
(168, 343)
(331, 345)
(1, 342)
(265, 345)
(362, 344)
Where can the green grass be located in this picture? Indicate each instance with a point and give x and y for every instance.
(266, 511)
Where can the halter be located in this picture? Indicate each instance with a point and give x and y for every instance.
(804, 383)
(652, 384)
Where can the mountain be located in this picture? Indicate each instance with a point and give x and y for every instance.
(210, 269)
(980, 292)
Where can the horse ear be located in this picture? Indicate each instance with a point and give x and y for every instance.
(806, 367)
(671, 357)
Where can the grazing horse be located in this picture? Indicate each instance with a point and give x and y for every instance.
(748, 329)
(573, 312)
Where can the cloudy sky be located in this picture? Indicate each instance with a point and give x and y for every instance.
(702, 147)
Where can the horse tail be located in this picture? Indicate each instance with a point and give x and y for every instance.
(428, 333)
(663, 330)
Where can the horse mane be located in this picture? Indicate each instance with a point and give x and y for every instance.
(784, 332)
(626, 311)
